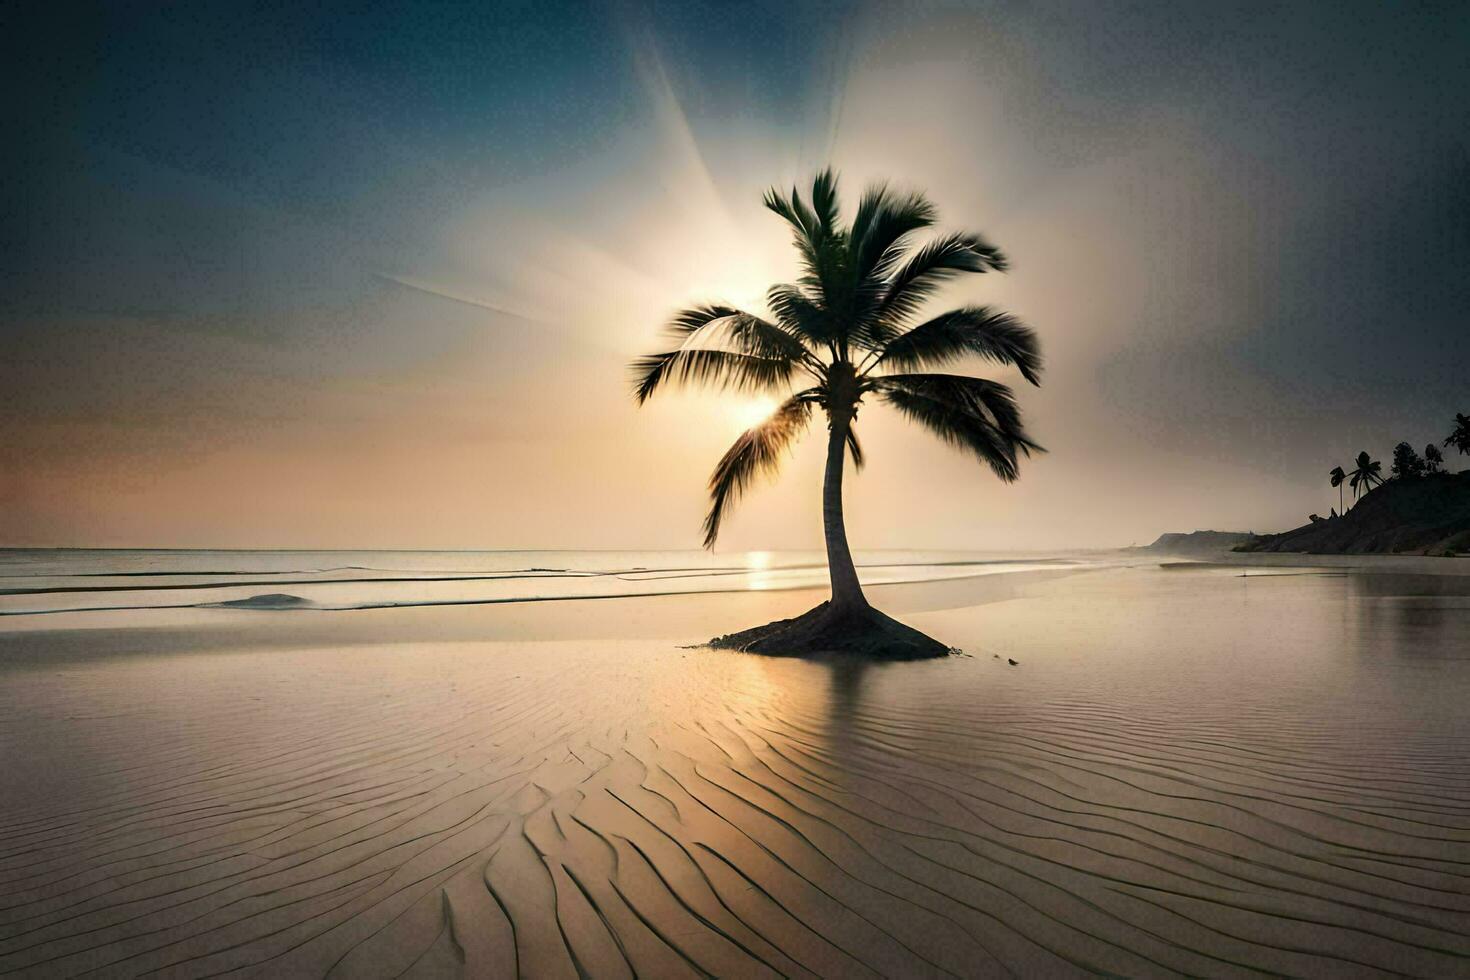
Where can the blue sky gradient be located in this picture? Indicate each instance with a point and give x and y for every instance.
(369, 275)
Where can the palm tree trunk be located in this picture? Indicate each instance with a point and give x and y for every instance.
(847, 592)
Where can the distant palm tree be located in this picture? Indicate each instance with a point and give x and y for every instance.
(1338, 477)
(1369, 472)
(844, 331)
(1433, 460)
(1460, 438)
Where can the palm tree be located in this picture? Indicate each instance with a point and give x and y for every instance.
(1433, 460)
(842, 332)
(1460, 437)
(1369, 472)
(1338, 476)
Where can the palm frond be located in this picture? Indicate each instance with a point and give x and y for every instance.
(750, 333)
(721, 369)
(881, 228)
(799, 314)
(970, 413)
(855, 449)
(977, 330)
(707, 332)
(757, 451)
(803, 221)
(687, 324)
(806, 230)
(821, 242)
(761, 338)
(824, 201)
(926, 270)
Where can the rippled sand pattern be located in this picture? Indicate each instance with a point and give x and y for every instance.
(1185, 775)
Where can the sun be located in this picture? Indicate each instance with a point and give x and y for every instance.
(752, 411)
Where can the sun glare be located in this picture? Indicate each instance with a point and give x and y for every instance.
(752, 412)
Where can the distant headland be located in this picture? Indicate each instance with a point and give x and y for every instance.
(1198, 542)
(1424, 515)
(1420, 509)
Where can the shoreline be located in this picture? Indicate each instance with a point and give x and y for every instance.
(1386, 564)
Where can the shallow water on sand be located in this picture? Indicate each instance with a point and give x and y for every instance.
(1189, 771)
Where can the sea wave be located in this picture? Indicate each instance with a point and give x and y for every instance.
(58, 590)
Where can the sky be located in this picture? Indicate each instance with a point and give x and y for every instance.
(309, 275)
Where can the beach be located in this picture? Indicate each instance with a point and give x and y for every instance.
(484, 766)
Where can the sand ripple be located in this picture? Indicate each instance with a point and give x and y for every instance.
(636, 809)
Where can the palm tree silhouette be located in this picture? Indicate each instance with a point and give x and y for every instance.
(1368, 473)
(1338, 476)
(844, 331)
(1460, 437)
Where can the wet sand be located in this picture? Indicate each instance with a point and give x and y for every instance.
(1189, 772)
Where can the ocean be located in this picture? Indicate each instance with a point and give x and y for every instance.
(46, 582)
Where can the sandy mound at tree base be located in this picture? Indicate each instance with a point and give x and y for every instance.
(865, 633)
